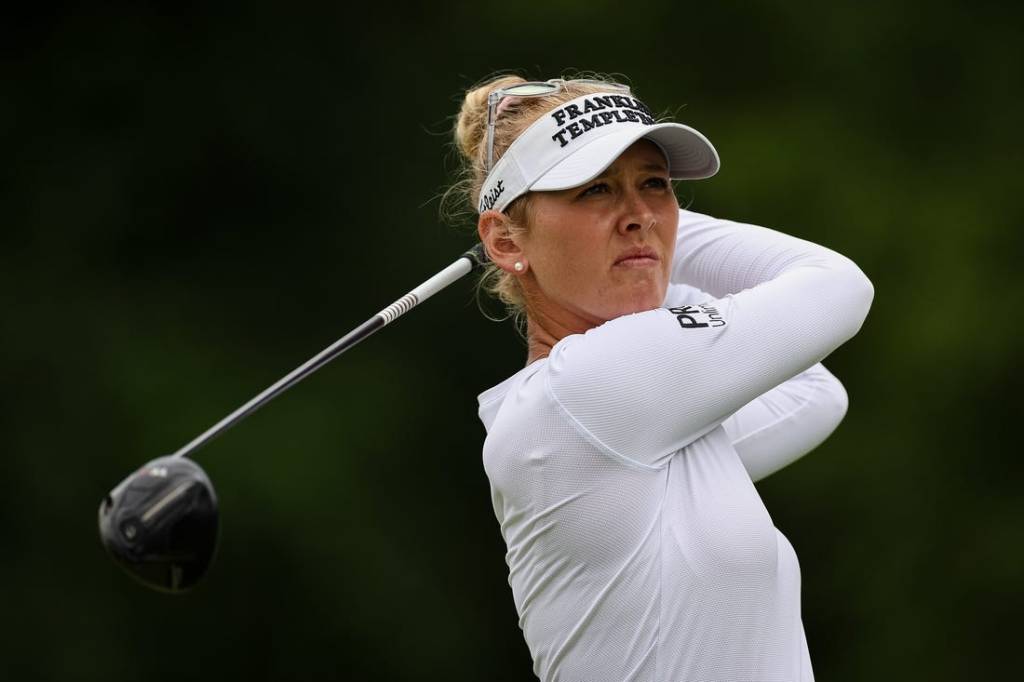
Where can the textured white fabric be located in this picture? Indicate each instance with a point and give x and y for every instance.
(575, 141)
(621, 465)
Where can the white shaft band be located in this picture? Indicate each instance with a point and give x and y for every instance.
(452, 273)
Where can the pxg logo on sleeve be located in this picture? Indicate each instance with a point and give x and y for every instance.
(698, 316)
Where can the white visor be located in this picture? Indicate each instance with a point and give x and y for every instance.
(574, 143)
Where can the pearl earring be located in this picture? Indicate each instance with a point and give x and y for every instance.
(519, 266)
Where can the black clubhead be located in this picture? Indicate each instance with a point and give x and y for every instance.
(161, 524)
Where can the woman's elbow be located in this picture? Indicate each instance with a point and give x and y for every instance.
(837, 399)
(826, 407)
(855, 295)
(865, 292)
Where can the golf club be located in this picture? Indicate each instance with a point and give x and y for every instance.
(161, 523)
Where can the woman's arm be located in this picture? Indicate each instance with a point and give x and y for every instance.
(644, 385)
(784, 424)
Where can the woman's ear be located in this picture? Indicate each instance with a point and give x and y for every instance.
(502, 249)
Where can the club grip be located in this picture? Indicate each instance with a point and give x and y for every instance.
(477, 256)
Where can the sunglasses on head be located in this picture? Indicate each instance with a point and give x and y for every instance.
(533, 89)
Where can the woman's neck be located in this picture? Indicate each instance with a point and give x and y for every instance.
(539, 342)
(544, 331)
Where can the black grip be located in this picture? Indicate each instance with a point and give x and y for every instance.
(477, 256)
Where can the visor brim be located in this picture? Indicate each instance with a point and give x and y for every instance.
(690, 156)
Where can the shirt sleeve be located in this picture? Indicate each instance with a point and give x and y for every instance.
(642, 386)
(784, 424)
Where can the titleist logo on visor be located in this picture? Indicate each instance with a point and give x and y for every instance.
(488, 201)
(595, 112)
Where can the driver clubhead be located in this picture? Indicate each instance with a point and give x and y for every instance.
(161, 524)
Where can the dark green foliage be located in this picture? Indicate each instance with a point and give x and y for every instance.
(196, 200)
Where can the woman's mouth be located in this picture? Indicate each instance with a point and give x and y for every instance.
(637, 258)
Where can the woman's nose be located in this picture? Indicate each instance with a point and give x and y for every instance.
(637, 215)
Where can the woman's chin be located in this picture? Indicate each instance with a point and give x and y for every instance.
(638, 303)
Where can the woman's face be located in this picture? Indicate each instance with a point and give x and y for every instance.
(603, 249)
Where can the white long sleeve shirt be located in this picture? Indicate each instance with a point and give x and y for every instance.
(622, 466)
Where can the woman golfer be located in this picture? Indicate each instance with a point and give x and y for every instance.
(673, 360)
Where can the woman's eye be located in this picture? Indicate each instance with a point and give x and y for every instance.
(602, 187)
(594, 189)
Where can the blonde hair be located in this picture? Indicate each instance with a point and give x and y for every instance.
(470, 133)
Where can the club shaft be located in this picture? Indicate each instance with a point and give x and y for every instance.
(473, 258)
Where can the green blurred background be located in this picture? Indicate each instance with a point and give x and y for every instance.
(199, 197)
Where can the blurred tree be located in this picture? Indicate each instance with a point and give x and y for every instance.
(200, 197)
